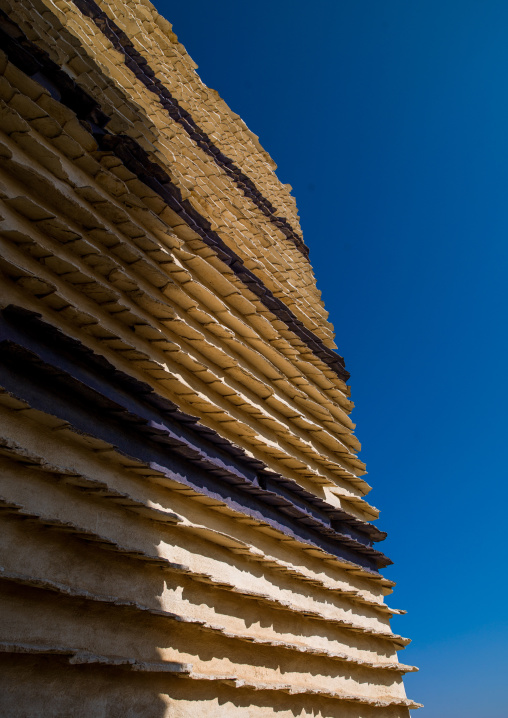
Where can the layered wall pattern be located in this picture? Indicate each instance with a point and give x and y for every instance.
(184, 523)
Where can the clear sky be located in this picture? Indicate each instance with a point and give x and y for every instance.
(390, 120)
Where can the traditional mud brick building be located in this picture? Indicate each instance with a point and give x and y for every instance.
(184, 529)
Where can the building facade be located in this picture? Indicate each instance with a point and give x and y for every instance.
(184, 529)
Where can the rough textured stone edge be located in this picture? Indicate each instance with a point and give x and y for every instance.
(297, 690)
(78, 657)
(100, 541)
(52, 390)
(37, 64)
(69, 592)
(25, 322)
(138, 64)
(101, 490)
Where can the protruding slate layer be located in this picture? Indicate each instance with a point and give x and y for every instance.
(181, 503)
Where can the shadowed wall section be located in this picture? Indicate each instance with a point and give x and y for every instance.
(184, 523)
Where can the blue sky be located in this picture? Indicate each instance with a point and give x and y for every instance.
(390, 120)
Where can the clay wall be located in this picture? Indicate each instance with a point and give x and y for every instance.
(184, 522)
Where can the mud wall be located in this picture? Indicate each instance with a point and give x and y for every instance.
(184, 523)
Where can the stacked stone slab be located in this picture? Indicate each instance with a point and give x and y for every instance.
(183, 515)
